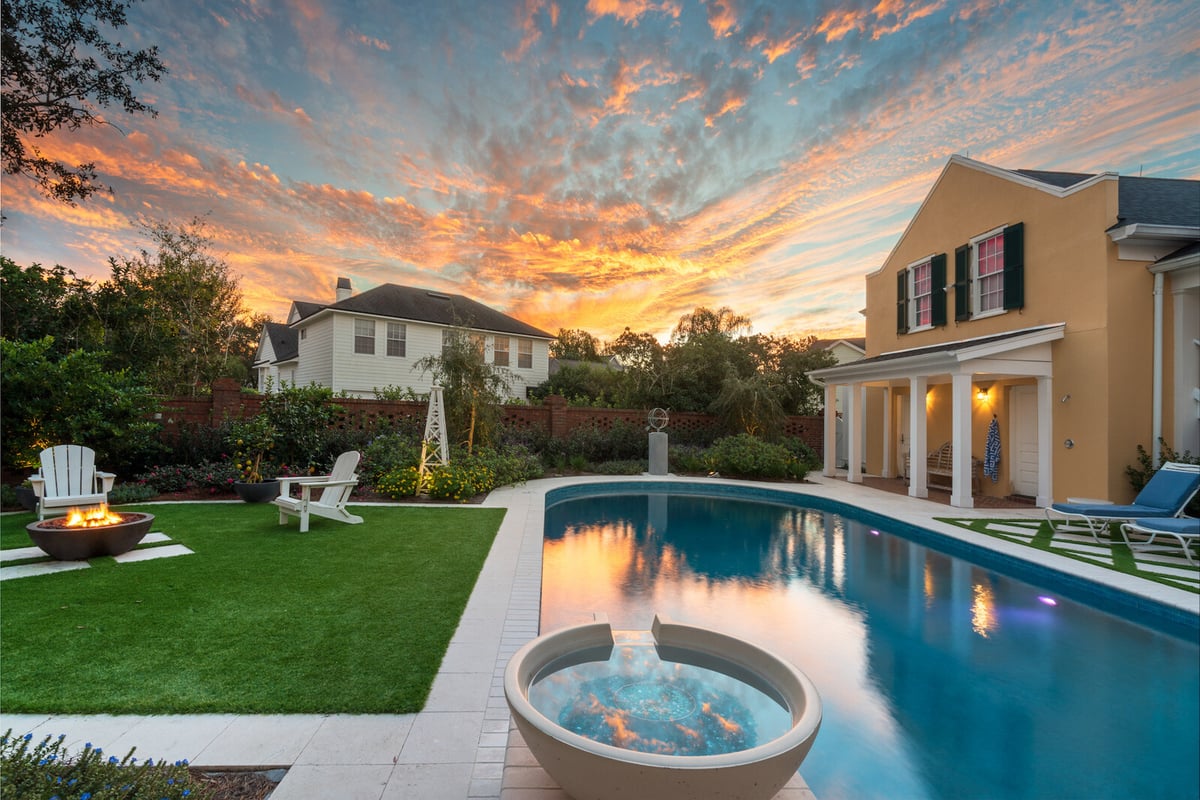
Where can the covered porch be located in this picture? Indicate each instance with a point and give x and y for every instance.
(1008, 375)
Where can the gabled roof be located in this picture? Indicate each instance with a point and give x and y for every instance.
(425, 305)
(285, 345)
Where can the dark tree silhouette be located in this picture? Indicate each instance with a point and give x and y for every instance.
(59, 71)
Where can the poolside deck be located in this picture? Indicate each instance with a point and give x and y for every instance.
(462, 744)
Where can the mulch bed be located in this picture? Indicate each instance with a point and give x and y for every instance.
(235, 785)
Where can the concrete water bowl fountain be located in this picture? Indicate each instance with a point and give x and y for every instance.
(675, 712)
(89, 533)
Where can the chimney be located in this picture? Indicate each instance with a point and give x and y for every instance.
(343, 291)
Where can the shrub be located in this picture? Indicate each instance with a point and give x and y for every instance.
(398, 484)
(743, 456)
(509, 465)
(389, 452)
(124, 493)
(46, 771)
(1140, 475)
(687, 458)
(631, 466)
(460, 481)
(301, 417)
(214, 477)
(802, 452)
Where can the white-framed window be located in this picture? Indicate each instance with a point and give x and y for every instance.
(397, 334)
(447, 340)
(987, 273)
(500, 351)
(364, 336)
(525, 353)
(303, 333)
(920, 289)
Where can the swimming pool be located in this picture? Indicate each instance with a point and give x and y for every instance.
(940, 678)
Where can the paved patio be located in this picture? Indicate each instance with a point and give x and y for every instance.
(462, 745)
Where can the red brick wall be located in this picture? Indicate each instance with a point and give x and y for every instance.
(553, 416)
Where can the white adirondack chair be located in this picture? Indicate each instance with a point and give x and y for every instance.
(335, 493)
(69, 479)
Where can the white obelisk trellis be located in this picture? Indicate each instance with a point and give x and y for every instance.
(433, 445)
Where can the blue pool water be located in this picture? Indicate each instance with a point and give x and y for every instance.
(938, 678)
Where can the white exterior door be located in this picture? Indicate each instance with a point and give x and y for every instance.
(1022, 440)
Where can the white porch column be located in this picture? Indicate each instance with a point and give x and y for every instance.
(854, 433)
(830, 430)
(960, 404)
(918, 468)
(1045, 439)
(887, 432)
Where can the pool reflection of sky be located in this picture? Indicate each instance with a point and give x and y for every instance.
(938, 679)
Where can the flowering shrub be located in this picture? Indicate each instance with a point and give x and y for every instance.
(398, 483)
(460, 481)
(210, 476)
(45, 772)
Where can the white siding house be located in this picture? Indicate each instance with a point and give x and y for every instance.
(370, 341)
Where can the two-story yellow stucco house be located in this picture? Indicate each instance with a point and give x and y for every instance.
(1043, 323)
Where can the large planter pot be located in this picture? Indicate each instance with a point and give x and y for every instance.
(261, 492)
(80, 544)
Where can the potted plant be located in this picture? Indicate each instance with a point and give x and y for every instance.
(254, 447)
(26, 496)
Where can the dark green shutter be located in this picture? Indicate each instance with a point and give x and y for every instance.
(962, 283)
(1014, 266)
(902, 301)
(937, 290)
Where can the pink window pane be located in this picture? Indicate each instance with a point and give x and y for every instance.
(991, 273)
(922, 302)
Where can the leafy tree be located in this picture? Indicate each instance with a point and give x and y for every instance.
(176, 315)
(789, 359)
(644, 361)
(473, 391)
(59, 70)
(36, 302)
(749, 405)
(575, 345)
(706, 322)
(75, 399)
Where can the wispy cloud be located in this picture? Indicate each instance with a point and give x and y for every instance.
(607, 165)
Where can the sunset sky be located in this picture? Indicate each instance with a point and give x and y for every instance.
(607, 163)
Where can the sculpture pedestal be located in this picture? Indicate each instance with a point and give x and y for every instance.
(658, 453)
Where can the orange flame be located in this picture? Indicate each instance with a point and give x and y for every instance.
(94, 517)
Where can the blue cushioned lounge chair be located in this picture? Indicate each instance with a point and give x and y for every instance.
(1185, 529)
(1165, 495)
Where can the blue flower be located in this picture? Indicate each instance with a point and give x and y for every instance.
(111, 759)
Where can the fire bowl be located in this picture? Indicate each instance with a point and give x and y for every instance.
(675, 712)
(80, 544)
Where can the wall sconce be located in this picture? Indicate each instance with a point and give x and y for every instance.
(982, 394)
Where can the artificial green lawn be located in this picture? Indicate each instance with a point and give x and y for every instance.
(1123, 559)
(260, 619)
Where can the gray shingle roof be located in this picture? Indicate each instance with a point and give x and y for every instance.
(1062, 180)
(284, 341)
(1158, 201)
(424, 305)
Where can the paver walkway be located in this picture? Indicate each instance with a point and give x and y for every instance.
(461, 746)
